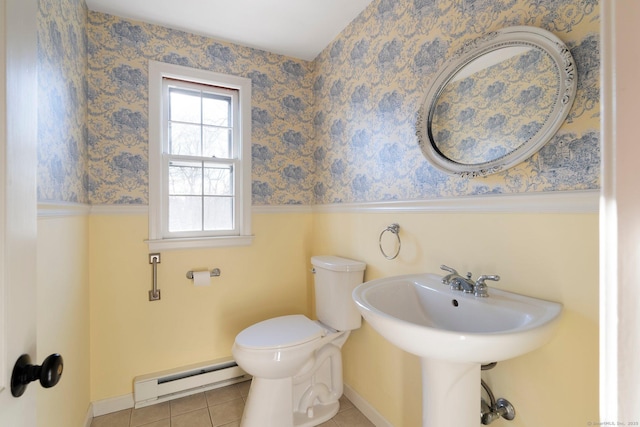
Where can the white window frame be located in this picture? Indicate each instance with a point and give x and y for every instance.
(159, 239)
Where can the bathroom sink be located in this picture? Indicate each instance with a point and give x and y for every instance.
(422, 316)
(454, 333)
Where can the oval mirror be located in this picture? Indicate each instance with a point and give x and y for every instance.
(497, 101)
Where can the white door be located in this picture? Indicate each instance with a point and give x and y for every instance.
(18, 222)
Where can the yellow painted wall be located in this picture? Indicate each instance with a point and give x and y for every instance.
(131, 336)
(63, 317)
(549, 256)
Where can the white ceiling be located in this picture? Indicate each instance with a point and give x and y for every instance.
(298, 28)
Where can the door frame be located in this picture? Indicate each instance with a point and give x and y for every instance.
(619, 213)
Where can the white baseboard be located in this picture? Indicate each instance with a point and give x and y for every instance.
(114, 404)
(89, 417)
(365, 407)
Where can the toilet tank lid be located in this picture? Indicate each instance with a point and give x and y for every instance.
(336, 263)
(280, 332)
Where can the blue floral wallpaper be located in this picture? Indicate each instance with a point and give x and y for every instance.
(62, 101)
(338, 129)
(282, 109)
(372, 80)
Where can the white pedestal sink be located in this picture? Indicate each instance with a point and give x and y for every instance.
(454, 333)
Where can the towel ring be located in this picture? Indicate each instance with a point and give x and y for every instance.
(395, 229)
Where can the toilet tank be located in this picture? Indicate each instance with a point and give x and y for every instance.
(335, 279)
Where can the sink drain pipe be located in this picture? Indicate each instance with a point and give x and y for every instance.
(496, 408)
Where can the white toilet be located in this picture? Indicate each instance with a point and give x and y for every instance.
(296, 362)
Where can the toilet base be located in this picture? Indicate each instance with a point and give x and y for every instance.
(321, 413)
(270, 404)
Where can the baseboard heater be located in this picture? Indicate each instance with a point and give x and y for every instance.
(172, 384)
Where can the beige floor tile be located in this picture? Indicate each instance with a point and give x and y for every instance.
(329, 423)
(352, 418)
(115, 419)
(222, 395)
(345, 404)
(149, 414)
(199, 418)
(244, 388)
(188, 404)
(225, 406)
(162, 423)
(227, 412)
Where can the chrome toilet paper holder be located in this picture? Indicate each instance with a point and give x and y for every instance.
(213, 273)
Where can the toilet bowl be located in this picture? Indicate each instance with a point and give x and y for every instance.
(296, 363)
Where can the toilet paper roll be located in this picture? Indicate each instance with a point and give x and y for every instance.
(201, 278)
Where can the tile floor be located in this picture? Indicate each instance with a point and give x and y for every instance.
(216, 408)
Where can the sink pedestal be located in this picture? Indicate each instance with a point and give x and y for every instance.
(450, 393)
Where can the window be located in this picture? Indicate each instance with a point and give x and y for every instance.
(199, 158)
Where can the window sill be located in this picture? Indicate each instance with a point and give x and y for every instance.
(198, 243)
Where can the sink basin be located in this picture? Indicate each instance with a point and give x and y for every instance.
(454, 333)
(422, 316)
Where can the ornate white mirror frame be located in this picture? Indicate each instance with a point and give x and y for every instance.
(503, 154)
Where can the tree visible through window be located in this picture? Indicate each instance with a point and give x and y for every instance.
(200, 152)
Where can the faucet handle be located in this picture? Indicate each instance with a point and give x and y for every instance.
(452, 273)
(484, 277)
(480, 289)
(449, 269)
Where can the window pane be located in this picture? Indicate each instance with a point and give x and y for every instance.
(218, 180)
(185, 213)
(185, 139)
(216, 110)
(217, 142)
(201, 149)
(184, 105)
(218, 213)
(185, 178)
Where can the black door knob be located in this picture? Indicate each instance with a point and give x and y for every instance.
(24, 372)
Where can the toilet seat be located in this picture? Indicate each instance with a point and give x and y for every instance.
(280, 332)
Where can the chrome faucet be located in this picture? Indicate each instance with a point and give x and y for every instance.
(458, 283)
